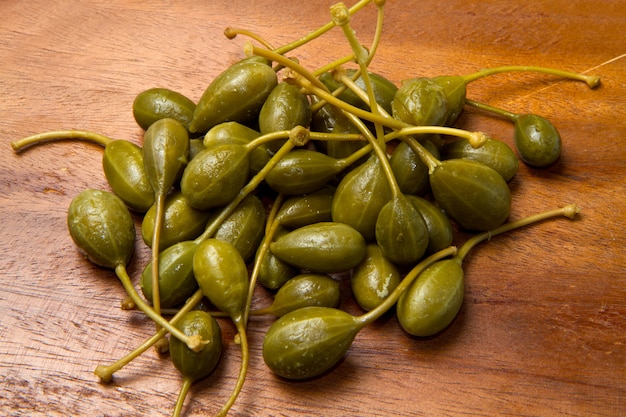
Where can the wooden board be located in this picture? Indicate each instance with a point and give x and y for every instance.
(543, 328)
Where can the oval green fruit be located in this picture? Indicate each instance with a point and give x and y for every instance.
(410, 172)
(472, 194)
(493, 153)
(306, 290)
(537, 140)
(401, 231)
(303, 171)
(285, 108)
(324, 247)
(360, 196)
(197, 365)
(440, 232)
(374, 278)
(309, 341)
(124, 170)
(165, 154)
(176, 280)
(222, 276)
(299, 211)
(102, 227)
(433, 300)
(421, 102)
(161, 103)
(215, 176)
(237, 94)
(244, 227)
(274, 273)
(180, 221)
(236, 133)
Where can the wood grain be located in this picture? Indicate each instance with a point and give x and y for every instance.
(543, 328)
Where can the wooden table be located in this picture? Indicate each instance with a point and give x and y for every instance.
(543, 328)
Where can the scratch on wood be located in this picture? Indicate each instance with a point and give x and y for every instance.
(610, 61)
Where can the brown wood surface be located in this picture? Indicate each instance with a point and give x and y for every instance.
(543, 328)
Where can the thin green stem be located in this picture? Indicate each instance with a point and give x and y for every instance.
(491, 109)
(263, 311)
(380, 154)
(106, 372)
(321, 102)
(180, 401)
(319, 32)
(320, 136)
(231, 33)
(338, 70)
(363, 114)
(380, 18)
(243, 370)
(476, 139)
(286, 62)
(307, 80)
(257, 312)
(156, 237)
(341, 17)
(362, 94)
(591, 80)
(247, 189)
(54, 135)
(568, 211)
(310, 82)
(267, 138)
(355, 156)
(427, 158)
(265, 244)
(375, 313)
(372, 51)
(270, 137)
(333, 65)
(352, 57)
(273, 213)
(194, 343)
